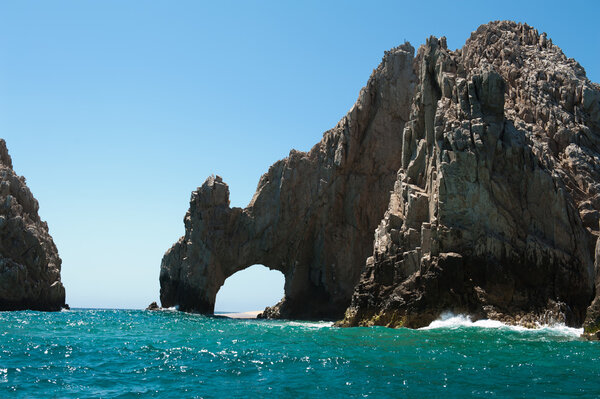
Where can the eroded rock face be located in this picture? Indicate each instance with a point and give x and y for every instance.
(313, 214)
(29, 261)
(494, 211)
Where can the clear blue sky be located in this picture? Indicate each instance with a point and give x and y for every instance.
(115, 111)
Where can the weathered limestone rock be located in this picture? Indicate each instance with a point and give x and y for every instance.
(494, 211)
(29, 261)
(312, 216)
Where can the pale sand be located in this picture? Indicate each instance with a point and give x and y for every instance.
(244, 315)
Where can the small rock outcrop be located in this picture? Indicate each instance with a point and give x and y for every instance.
(153, 306)
(29, 261)
(312, 216)
(495, 209)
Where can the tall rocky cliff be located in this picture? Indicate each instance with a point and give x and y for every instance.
(486, 159)
(494, 211)
(29, 261)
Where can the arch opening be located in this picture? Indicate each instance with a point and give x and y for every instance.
(250, 290)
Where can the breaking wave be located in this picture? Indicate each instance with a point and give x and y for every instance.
(450, 320)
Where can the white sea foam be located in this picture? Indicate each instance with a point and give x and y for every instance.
(317, 324)
(452, 321)
(562, 329)
(171, 309)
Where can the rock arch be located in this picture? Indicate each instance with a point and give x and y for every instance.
(313, 214)
(494, 211)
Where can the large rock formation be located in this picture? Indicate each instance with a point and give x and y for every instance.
(495, 209)
(491, 154)
(312, 216)
(29, 261)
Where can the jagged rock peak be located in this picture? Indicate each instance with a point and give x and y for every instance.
(29, 261)
(495, 209)
(213, 192)
(5, 158)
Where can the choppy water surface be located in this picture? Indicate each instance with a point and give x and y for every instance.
(127, 353)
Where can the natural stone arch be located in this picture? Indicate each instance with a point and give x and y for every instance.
(313, 214)
(220, 241)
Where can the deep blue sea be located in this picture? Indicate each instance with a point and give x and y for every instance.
(168, 354)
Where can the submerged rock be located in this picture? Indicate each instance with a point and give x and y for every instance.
(153, 306)
(495, 209)
(312, 216)
(29, 261)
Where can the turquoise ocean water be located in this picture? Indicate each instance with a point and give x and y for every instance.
(132, 353)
